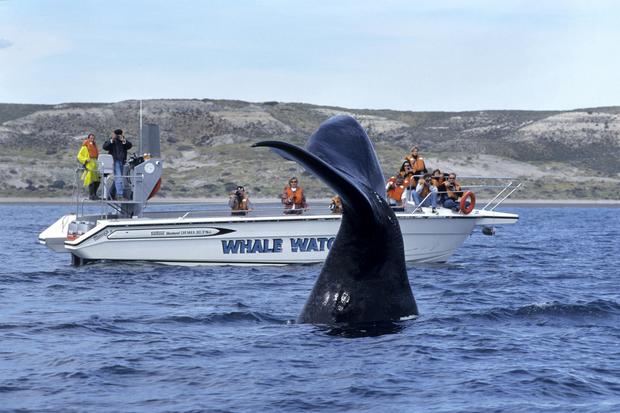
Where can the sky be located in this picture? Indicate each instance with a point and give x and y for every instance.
(404, 55)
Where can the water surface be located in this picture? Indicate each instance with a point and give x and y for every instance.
(527, 320)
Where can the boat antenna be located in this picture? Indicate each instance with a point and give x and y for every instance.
(141, 126)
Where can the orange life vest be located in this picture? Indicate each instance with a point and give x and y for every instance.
(336, 205)
(396, 185)
(426, 189)
(92, 148)
(456, 194)
(241, 206)
(297, 196)
(417, 164)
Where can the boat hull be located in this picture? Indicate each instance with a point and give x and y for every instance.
(427, 237)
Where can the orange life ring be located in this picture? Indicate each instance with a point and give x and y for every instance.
(472, 202)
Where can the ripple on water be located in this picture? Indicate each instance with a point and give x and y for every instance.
(515, 322)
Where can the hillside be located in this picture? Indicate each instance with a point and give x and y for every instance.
(206, 145)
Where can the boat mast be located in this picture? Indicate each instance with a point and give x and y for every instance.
(141, 127)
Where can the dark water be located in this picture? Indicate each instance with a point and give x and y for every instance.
(526, 321)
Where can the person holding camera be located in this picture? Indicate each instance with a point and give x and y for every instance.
(239, 202)
(336, 205)
(425, 193)
(293, 198)
(118, 146)
(453, 193)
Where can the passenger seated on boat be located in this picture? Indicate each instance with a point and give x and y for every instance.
(395, 187)
(239, 202)
(425, 193)
(417, 164)
(336, 205)
(438, 180)
(453, 193)
(293, 198)
(408, 171)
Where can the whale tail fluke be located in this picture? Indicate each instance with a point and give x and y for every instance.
(364, 278)
(341, 155)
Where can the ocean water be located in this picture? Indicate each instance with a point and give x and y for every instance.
(525, 321)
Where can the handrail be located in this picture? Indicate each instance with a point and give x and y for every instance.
(509, 187)
(497, 196)
(504, 198)
(229, 211)
(81, 199)
(116, 206)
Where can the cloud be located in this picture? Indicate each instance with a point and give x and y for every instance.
(4, 43)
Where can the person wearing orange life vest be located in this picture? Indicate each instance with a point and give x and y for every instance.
(417, 163)
(88, 156)
(438, 181)
(293, 198)
(396, 186)
(453, 193)
(239, 202)
(425, 193)
(336, 205)
(407, 169)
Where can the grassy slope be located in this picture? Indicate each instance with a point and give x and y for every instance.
(193, 169)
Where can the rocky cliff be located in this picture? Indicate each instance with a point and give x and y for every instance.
(206, 145)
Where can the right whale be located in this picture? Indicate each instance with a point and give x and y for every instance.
(364, 278)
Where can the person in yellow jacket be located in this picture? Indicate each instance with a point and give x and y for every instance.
(88, 156)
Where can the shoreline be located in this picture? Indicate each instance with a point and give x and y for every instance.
(222, 200)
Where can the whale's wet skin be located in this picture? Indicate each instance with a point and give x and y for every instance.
(526, 320)
(364, 279)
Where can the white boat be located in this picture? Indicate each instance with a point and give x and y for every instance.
(129, 233)
(266, 240)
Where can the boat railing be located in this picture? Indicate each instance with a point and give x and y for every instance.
(493, 191)
(103, 200)
(264, 210)
(500, 189)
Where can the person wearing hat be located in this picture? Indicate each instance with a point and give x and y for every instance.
(239, 202)
(118, 146)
